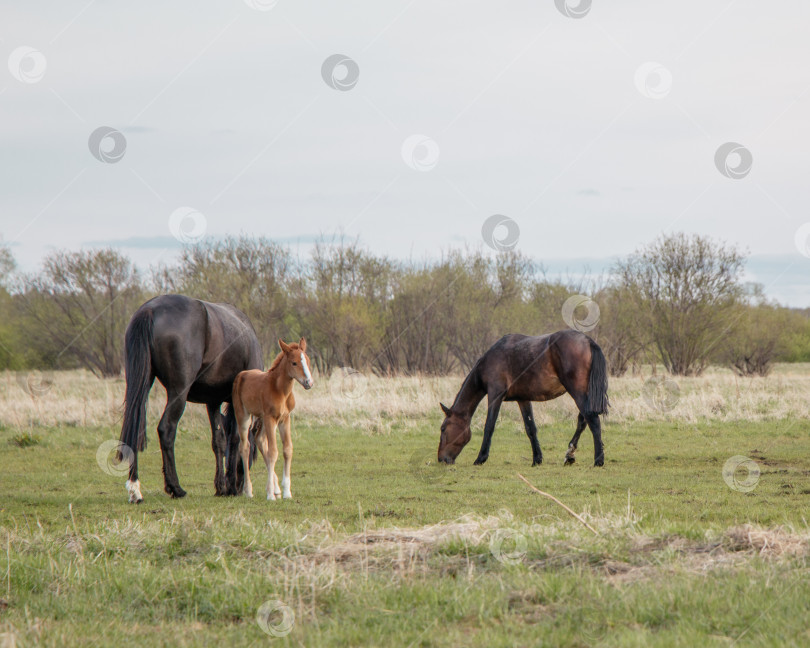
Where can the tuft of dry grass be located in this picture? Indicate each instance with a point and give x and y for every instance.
(379, 405)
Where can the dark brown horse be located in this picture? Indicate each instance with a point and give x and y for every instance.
(195, 349)
(525, 369)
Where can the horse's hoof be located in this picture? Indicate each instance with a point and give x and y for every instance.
(569, 460)
(287, 496)
(271, 498)
(479, 461)
(537, 462)
(599, 463)
(178, 493)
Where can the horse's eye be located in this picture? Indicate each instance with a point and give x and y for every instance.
(295, 364)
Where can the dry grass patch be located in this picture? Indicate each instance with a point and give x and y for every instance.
(380, 405)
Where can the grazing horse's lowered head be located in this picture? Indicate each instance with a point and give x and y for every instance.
(455, 435)
(297, 362)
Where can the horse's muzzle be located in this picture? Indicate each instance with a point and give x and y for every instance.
(447, 460)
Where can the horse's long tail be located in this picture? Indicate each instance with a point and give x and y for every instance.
(597, 398)
(138, 344)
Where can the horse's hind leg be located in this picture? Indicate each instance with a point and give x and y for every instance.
(572, 445)
(598, 447)
(218, 442)
(531, 431)
(167, 431)
(264, 448)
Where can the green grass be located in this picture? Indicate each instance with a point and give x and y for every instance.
(87, 568)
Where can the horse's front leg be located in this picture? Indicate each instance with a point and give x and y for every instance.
(285, 427)
(493, 407)
(531, 431)
(271, 443)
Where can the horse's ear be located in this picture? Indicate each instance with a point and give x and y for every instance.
(302, 344)
(284, 346)
(445, 409)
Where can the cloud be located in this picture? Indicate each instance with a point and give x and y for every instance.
(589, 192)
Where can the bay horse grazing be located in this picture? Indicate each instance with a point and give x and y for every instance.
(195, 349)
(269, 395)
(525, 369)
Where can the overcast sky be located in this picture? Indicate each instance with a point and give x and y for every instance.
(593, 134)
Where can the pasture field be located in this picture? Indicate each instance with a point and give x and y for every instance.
(381, 546)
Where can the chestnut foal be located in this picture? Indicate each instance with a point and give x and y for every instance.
(269, 395)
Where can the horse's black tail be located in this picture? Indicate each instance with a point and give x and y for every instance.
(138, 344)
(596, 401)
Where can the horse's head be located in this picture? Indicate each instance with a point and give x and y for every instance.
(297, 362)
(455, 435)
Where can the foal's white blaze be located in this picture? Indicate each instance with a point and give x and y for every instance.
(134, 490)
(305, 366)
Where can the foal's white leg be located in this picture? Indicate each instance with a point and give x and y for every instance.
(286, 441)
(244, 451)
(269, 426)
